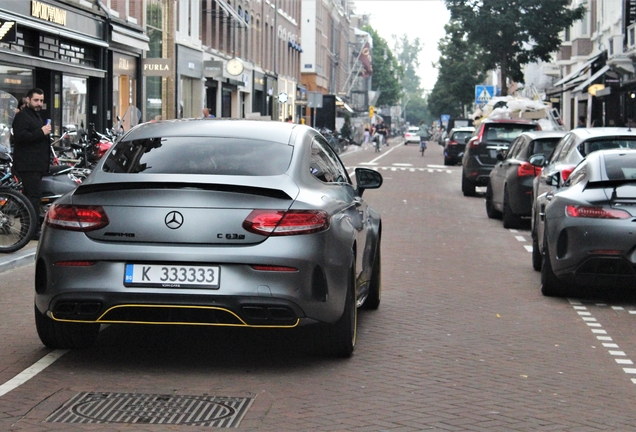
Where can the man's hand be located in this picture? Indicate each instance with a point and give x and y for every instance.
(46, 129)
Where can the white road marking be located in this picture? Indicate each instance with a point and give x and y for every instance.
(31, 371)
(612, 348)
(520, 238)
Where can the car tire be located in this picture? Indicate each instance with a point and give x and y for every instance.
(468, 187)
(339, 339)
(490, 209)
(375, 285)
(536, 254)
(510, 220)
(63, 335)
(447, 162)
(551, 286)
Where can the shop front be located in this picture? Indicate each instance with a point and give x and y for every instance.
(61, 50)
(190, 84)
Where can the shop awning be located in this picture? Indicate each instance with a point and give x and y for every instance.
(341, 103)
(593, 78)
(577, 73)
(129, 38)
(228, 10)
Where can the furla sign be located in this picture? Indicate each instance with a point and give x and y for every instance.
(157, 67)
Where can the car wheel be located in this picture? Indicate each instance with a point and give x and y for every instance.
(57, 335)
(536, 254)
(490, 209)
(510, 220)
(551, 286)
(447, 162)
(468, 187)
(339, 339)
(375, 285)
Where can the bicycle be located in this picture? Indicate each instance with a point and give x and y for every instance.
(18, 220)
(422, 146)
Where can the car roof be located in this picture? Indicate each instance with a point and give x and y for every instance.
(463, 129)
(516, 121)
(533, 135)
(413, 127)
(236, 128)
(587, 133)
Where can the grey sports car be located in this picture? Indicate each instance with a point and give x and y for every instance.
(588, 226)
(212, 222)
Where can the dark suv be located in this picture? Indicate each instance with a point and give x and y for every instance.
(480, 155)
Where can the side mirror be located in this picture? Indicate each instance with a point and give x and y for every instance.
(553, 179)
(500, 156)
(538, 160)
(367, 179)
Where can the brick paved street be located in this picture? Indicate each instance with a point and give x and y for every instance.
(463, 339)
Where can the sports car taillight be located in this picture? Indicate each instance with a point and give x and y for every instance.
(76, 218)
(281, 223)
(527, 169)
(596, 212)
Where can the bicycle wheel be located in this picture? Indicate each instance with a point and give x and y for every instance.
(18, 220)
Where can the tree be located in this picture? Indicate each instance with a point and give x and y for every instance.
(386, 72)
(459, 71)
(513, 33)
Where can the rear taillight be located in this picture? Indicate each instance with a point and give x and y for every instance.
(74, 263)
(76, 218)
(274, 268)
(452, 143)
(527, 169)
(565, 173)
(281, 223)
(595, 212)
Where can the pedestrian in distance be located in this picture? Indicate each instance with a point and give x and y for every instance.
(32, 152)
(206, 113)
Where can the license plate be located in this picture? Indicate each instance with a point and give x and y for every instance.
(172, 276)
(493, 154)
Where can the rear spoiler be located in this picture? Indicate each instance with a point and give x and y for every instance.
(116, 186)
(614, 184)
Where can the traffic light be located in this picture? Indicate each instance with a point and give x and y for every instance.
(371, 111)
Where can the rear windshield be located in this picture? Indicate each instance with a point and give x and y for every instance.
(606, 144)
(199, 155)
(460, 137)
(621, 166)
(507, 131)
(544, 146)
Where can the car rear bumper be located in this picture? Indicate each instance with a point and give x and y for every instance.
(595, 254)
(245, 296)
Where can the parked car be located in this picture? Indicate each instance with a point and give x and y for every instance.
(571, 150)
(480, 155)
(237, 223)
(456, 143)
(412, 135)
(509, 191)
(587, 226)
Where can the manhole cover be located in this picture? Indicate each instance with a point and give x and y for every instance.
(95, 407)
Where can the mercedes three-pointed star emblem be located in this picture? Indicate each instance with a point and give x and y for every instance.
(174, 220)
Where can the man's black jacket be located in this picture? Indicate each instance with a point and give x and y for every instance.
(32, 149)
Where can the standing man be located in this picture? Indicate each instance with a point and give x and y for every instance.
(32, 152)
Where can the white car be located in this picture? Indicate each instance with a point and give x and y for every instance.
(412, 135)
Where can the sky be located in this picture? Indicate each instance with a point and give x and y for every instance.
(415, 18)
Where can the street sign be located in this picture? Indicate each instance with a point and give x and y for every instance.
(314, 100)
(445, 119)
(484, 93)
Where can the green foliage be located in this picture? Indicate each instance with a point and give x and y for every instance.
(386, 72)
(512, 33)
(459, 71)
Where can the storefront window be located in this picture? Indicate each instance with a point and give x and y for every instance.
(73, 103)
(154, 18)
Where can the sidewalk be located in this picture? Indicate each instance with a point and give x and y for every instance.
(20, 258)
